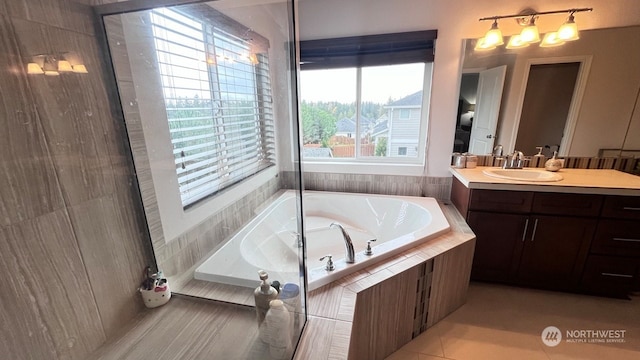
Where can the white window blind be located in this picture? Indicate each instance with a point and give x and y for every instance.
(218, 100)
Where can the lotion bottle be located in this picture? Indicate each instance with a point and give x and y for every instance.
(262, 296)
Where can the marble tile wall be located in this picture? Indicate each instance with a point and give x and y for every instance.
(72, 237)
(429, 186)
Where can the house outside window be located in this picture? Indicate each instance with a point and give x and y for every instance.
(217, 100)
(372, 112)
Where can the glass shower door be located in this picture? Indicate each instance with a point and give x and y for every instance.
(208, 95)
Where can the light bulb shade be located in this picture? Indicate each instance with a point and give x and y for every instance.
(64, 66)
(51, 73)
(551, 39)
(33, 68)
(493, 37)
(515, 42)
(530, 34)
(80, 69)
(568, 31)
(481, 45)
(253, 59)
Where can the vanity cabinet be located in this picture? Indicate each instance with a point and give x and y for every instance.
(530, 238)
(581, 234)
(613, 265)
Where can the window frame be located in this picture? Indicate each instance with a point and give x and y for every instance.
(374, 50)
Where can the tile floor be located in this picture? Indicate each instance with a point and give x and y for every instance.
(500, 322)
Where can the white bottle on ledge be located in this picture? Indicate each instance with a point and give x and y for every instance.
(278, 325)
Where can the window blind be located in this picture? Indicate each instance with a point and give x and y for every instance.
(218, 103)
(368, 50)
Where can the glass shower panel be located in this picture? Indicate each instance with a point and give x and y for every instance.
(209, 97)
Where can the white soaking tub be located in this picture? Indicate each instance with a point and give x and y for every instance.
(269, 241)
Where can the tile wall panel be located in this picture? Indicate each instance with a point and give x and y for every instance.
(71, 279)
(48, 309)
(28, 181)
(71, 113)
(74, 15)
(104, 231)
(437, 187)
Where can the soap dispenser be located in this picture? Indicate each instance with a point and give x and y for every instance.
(263, 295)
(538, 159)
(553, 164)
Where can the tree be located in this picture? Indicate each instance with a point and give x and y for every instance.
(318, 125)
(381, 147)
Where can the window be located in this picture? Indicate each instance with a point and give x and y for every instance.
(217, 99)
(372, 87)
(338, 103)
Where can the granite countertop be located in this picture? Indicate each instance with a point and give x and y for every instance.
(583, 181)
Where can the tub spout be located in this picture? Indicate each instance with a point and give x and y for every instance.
(350, 256)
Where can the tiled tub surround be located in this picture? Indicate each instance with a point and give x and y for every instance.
(428, 186)
(349, 319)
(268, 242)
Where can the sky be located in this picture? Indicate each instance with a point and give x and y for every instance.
(379, 83)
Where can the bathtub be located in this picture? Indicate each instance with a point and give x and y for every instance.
(269, 241)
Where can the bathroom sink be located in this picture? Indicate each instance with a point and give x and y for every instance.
(523, 174)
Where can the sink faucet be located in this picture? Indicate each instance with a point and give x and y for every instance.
(514, 161)
(348, 244)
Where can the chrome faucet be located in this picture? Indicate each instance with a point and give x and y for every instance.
(350, 254)
(514, 161)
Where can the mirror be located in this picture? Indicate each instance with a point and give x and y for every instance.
(600, 110)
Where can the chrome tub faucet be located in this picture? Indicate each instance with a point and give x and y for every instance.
(350, 254)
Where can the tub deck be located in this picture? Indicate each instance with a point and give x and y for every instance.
(200, 328)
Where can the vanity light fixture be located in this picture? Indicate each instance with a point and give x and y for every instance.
(551, 39)
(530, 34)
(55, 64)
(569, 30)
(516, 42)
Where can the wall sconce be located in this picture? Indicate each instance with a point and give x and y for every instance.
(53, 65)
(530, 34)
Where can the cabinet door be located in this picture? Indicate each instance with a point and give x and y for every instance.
(498, 244)
(555, 251)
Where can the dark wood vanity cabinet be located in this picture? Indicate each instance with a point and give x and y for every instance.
(530, 238)
(570, 242)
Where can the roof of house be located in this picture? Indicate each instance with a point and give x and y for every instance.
(380, 128)
(346, 125)
(414, 99)
(316, 152)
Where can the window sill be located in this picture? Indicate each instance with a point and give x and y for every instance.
(363, 168)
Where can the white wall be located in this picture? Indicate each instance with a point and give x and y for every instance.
(454, 20)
